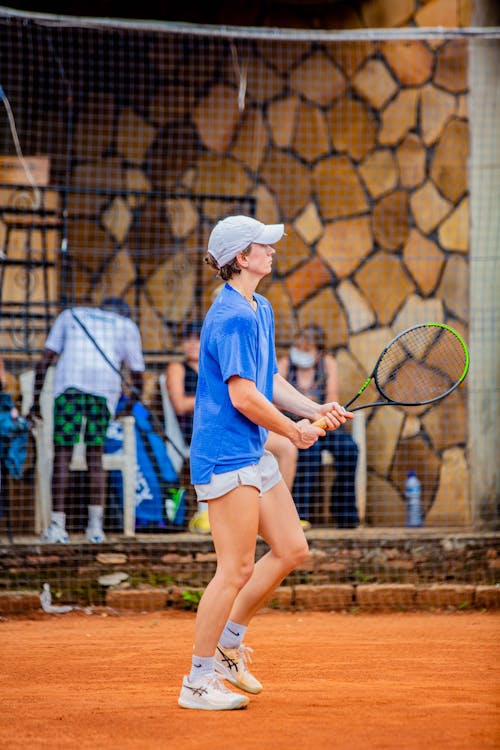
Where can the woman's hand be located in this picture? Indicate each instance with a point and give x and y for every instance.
(332, 415)
(307, 434)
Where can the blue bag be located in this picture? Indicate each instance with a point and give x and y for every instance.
(13, 437)
(160, 502)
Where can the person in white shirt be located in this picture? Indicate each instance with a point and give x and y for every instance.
(91, 345)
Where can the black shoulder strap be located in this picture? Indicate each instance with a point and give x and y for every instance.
(100, 350)
(124, 380)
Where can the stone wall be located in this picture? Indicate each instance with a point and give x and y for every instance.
(343, 570)
(361, 148)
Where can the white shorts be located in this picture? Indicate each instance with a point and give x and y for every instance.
(263, 475)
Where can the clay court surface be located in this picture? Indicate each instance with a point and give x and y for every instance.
(398, 680)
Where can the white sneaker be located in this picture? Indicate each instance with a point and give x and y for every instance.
(95, 534)
(55, 534)
(210, 694)
(231, 664)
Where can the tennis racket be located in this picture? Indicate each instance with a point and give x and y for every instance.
(420, 365)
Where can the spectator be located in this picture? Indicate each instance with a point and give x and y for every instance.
(182, 379)
(313, 371)
(91, 344)
(13, 443)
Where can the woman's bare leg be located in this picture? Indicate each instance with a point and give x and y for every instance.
(286, 454)
(234, 520)
(279, 525)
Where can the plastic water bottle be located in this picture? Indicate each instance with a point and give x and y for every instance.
(413, 501)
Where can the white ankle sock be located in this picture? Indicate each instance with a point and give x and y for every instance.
(232, 635)
(201, 665)
(58, 517)
(96, 513)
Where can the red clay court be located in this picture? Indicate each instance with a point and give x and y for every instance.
(331, 680)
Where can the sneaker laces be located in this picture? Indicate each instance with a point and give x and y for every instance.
(242, 653)
(209, 682)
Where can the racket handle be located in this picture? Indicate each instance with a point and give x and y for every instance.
(320, 423)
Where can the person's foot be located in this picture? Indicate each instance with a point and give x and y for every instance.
(210, 694)
(95, 534)
(199, 524)
(231, 664)
(55, 534)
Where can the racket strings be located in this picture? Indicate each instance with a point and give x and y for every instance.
(422, 364)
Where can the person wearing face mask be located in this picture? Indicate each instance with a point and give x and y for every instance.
(313, 371)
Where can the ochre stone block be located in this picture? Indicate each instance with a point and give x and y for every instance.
(216, 117)
(384, 504)
(379, 172)
(429, 207)
(311, 139)
(318, 80)
(375, 83)
(326, 597)
(454, 286)
(291, 251)
(399, 117)
(136, 600)
(338, 188)
(324, 310)
(446, 422)
(308, 224)
(282, 116)
(454, 231)
(445, 595)
(391, 221)
(281, 598)
(350, 55)
(487, 597)
(424, 260)
(219, 175)
(18, 602)
(352, 127)
(451, 506)
(345, 244)
(452, 66)
(436, 108)
(251, 140)
(449, 164)
(134, 136)
(359, 312)
(410, 60)
(289, 179)
(390, 595)
(411, 156)
(385, 297)
(306, 280)
(380, 14)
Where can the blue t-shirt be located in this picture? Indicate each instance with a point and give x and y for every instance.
(235, 340)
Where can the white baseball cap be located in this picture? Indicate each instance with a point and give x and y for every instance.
(235, 233)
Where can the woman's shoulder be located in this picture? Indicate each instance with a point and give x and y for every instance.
(176, 367)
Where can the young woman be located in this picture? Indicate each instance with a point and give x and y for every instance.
(182, 380)
(238, 381)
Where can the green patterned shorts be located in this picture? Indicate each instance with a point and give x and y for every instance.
(70, 408)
